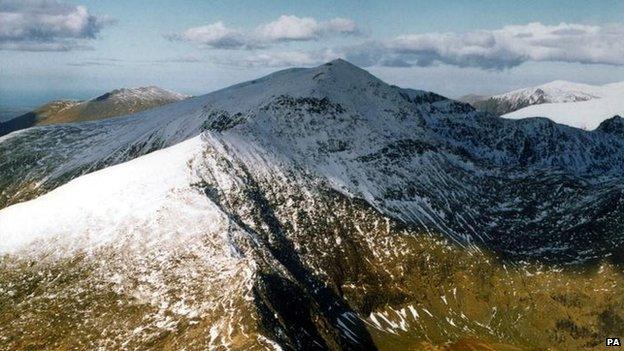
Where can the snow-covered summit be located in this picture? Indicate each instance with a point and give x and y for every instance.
(344, 82)
(556, 91)
(140, 93)
(574, 104)
(572, 109)
(559, 91)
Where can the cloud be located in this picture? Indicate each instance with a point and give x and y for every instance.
(503, 48)
(215, 35)
(286, 28)
(497, 49)
(47, 25)
(293, 28)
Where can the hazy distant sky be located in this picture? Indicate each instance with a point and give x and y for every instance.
(52, 49)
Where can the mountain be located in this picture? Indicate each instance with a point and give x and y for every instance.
(312, 209)
(580, 114)
(577, 105)
(613, 125)
(114, 103)
(558, 91)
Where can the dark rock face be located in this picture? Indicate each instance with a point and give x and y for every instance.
(613, 125)
(21, 122)
(103, 97)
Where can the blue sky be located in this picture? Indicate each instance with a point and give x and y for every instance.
(194, 47)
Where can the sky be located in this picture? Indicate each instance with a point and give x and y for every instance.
(78, 49)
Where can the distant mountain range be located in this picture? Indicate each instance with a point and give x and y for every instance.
(312, 209)
(578, 105)
(112, 104)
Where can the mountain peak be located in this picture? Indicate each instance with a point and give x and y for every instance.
(341, 65)
(557, 91)
(613, 125)
(340, 62)
(338, 80)
(340, 69)
(342, 74)
(145, 92)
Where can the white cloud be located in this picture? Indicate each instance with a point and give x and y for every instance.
(341, 25)
(510, 46)
(215, 35)
(285, 28)
(40, 25)
(289, 28)
(293, 28)
(497, 49)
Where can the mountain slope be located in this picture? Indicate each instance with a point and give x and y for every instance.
(212, 254)
(554, 92)
(312, 209)
(587, 115)
(577, 105)
(114, 103)
(405, 152)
